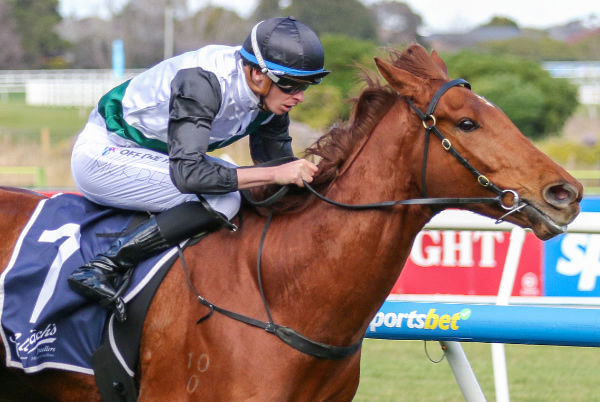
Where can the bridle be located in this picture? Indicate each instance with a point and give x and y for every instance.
(429, 122)
(325, 351)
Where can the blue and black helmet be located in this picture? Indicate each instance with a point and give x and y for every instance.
(285, 50)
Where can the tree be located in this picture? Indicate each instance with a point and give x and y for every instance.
(538, 49)
(537, 103)
(206, 26)
(396, 23)
(11, 51)
(92, 42)
(588, 48)
(346, 17)
(140, 24)
(502, 22)
(344, 57)
(266, 9)
(35, 23)
(323, 105)
(327, 102)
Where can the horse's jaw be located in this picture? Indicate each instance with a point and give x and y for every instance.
(544, 226)
(544, 220)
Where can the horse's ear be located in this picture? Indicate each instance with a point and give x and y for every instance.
(437, 60)
(401, 80)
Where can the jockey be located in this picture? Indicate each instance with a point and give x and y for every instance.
(145, 145)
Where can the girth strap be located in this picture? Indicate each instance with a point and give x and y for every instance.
(288, 335)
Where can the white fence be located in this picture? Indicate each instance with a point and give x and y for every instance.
(586, 74)
(61, 87)
(85, 87)
(67, 92)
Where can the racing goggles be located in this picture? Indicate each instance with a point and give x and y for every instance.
(291, 86)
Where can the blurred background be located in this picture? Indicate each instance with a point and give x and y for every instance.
(540, 64)
(538, 60)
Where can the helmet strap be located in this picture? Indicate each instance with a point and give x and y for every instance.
(261, 62)
(261, 105)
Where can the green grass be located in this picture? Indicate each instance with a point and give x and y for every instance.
(393, 371)
(24, 123)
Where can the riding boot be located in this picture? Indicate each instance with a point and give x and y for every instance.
(105, 277)
(100, 278)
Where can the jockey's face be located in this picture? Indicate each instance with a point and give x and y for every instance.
(274, 98)
(280, 102)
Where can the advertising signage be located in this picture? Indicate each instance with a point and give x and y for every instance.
(449, 262)
(572, 261)
(468, 263)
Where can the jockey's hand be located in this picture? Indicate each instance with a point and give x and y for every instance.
(296, 172)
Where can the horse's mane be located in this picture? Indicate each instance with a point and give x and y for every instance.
(335, 147)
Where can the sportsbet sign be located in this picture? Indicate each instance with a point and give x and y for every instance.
(416, 320)
(471, 263)
(423, 321)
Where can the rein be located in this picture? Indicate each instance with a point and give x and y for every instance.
(321, 350)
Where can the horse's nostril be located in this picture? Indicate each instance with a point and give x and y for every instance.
(560, 194)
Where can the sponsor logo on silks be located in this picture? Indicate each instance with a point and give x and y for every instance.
(108, 149)
(37, 344)
(430, 320)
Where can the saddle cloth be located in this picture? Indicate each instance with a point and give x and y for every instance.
(44, 324)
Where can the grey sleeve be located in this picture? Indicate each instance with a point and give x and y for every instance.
(195, 101)
(272, 140)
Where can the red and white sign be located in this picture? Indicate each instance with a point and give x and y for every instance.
(468, 263)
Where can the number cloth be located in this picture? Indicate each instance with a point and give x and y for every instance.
(44, 323)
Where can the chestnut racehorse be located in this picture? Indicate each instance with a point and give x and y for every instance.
(326, 269)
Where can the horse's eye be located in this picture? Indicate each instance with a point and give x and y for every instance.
(468, 125)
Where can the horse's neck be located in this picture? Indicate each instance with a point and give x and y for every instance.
(343, 262)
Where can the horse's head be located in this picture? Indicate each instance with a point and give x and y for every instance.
(498, 156)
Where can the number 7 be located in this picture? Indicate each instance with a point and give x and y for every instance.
(66, 250)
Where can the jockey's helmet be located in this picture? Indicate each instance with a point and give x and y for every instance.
(287, 51)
